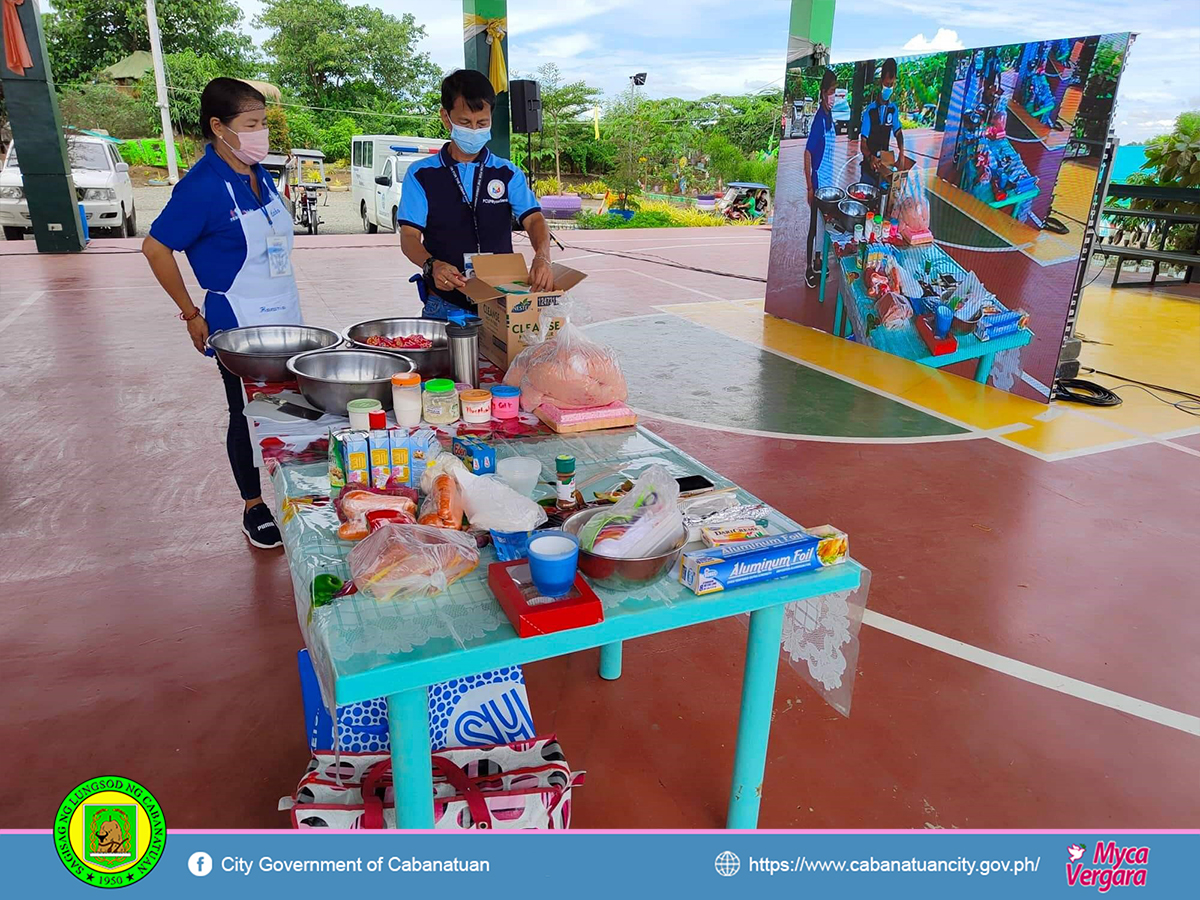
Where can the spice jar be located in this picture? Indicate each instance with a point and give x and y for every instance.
(504, 401)
(476, 407)
(440, 402)
(406, 399)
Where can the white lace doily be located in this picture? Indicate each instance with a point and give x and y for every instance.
(815, 631)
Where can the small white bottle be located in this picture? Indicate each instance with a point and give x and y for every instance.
(406, 399)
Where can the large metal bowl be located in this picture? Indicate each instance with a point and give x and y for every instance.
(261, 352)
(329, 379)
(609, 572)
(828, 197)
(851, 213)
(869, 192)
(431, 363)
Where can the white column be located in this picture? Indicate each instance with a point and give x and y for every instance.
(160, 84)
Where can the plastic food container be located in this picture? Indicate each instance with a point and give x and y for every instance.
(504, 401)
(521, 473)
(406, 399)
(440, 402)
(360, 412)
(476, 407)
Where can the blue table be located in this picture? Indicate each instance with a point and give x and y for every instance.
(852, 299)
(362, 649)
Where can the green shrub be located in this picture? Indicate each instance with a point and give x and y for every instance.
(650, 219)
(547, 187)
(593, 221)
(101, 107)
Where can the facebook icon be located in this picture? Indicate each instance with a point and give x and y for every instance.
(200, 864)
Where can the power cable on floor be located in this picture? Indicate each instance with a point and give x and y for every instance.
(1077, 390)
(1190, 404)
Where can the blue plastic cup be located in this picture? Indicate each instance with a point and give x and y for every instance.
(945, 317)
(553, 559)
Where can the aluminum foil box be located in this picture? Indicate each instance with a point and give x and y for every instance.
(746, 562)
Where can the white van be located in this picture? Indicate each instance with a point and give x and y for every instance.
(378, 164)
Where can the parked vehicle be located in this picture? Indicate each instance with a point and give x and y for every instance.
(802, 116)
(102, 185)
(378, 164)
(304, 182)
(841, 112)
(745, 200)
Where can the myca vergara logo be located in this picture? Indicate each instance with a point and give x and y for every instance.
(1110, 866)
(109, 832)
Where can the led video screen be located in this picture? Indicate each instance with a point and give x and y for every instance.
(934, 206)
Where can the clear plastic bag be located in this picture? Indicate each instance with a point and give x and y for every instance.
(355, 501)
(645, 522)
(443, 503)
(492, 505)
(567, 369)
(404, 562)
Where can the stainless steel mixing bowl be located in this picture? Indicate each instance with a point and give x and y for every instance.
(610, 572)
(431, 363)
(261, 352)
(329, 379)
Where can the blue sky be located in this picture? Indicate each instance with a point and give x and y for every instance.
(696, 47)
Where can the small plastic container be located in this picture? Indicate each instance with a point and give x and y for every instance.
(440, 404)
(406, 399)
(476, 407)
(504, 401)
(521, 473)
(553, 561)
(360, 412)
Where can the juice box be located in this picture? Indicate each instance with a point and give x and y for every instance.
(401, 469)
(746, 562)
(337, 460)
(380, 445)
(479, 457)
(356, 450)
(422, 445)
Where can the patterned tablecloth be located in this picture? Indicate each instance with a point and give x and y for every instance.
(357, 633)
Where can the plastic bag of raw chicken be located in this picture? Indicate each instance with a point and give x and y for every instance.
(568, 369)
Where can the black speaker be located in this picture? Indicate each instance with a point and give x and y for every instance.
(525, 97)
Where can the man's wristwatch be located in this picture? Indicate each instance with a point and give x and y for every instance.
(427, 269)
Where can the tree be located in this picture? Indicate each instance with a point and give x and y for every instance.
(85, 35)
(336, 55)
(562, 105)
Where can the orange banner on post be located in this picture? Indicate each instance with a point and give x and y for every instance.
(16, 50)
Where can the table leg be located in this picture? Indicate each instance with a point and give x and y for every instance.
(837, 316)
(824, 264)
(754, 722)
(610, 661)
(412, 773)
(984, 369)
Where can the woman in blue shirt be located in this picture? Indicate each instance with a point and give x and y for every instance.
(818, 170)
(226, 216)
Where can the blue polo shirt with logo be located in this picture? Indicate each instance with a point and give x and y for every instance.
(432, 202)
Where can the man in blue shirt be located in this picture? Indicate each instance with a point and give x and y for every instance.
(880, 120)
(462, 201)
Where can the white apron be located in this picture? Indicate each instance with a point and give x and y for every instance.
(256, 296)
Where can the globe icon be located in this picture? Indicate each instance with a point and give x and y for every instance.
(727, 863)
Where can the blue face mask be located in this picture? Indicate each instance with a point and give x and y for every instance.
(470, 140)
(886, 92)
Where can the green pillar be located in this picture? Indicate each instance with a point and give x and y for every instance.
(477, 54)
(811, 24)
(37, 132)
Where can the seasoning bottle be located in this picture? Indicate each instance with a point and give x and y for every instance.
(406, 399)
(360, 411)
(564, 466)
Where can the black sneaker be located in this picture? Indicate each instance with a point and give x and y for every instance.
(259, 526)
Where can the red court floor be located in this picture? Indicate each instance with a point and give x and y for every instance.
(1028, 659)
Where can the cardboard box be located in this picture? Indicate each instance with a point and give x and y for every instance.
(746, 562)
(479, 457)
(506, 316)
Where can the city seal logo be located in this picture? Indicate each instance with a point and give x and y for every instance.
(495, 188)
(109, 832)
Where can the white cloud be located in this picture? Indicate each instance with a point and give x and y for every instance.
(945, 39)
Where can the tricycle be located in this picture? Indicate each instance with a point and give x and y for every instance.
(304, 180)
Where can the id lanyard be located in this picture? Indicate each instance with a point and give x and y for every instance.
(267, 197)
(472, 201)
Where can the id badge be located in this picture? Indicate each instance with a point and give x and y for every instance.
(279, 261)
(469, 263)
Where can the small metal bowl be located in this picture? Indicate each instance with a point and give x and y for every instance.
(329, 379)
(261, 352)
(868, 191)
(431, 363)
(611, 572)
